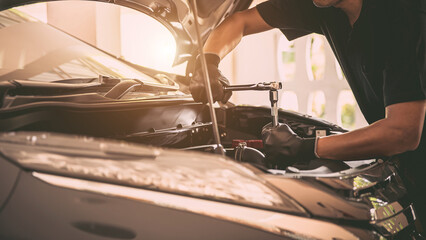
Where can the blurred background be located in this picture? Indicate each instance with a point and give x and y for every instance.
(313, 82)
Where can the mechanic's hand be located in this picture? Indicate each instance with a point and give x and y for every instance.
(217, 81)
(283, 147)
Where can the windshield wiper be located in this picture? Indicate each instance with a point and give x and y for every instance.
(32, 87)
(115, 88)
(125, 86)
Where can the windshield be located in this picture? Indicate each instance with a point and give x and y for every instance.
(32, 50)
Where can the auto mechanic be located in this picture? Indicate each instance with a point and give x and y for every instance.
(380, 45)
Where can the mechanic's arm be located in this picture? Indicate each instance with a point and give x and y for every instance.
(398, 132)
(220, 42)
(230, 32)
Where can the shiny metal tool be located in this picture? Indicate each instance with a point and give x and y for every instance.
(272, 87)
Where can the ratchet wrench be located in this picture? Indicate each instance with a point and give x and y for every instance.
(272, 87)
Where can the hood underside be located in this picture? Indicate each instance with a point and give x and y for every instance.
(176, 15)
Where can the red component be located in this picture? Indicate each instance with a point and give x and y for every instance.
(235, 142)
(255, 143)
(258, 144)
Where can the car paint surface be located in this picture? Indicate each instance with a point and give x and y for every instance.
(76, 205)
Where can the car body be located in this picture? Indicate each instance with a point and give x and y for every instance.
(99, 155)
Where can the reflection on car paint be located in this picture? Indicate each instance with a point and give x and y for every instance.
(395, 220)
(360, 182)
(286, 225)
(398, 222)
(223, 179)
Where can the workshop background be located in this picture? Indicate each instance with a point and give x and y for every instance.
(313, 82)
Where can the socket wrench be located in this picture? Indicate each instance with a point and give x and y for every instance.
(272, 87)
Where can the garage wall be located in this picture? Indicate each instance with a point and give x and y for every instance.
(258, 59)
(94, 23)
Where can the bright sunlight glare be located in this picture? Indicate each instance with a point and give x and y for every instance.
(38, 11)
(145, 41)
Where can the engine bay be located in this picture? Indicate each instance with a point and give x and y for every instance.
(178, 124)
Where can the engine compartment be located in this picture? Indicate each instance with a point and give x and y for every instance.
(176, 124)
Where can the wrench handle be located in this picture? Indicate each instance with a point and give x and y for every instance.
(246, 87)
(255, 87)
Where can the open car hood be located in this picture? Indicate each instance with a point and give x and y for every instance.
(176, 15)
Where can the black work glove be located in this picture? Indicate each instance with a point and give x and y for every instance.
(283, 147)
(217, 81)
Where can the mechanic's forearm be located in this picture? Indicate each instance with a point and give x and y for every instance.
(230, 32)
(368, 142)
(225, 37)
(399, 132)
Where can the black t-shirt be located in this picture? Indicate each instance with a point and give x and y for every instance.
(382, 56)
